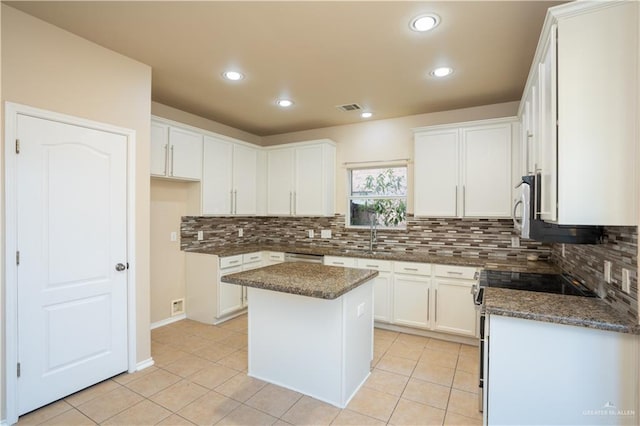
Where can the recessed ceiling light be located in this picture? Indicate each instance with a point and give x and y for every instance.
(366, 115)
(424, 23)
(284, 103)
(233, 75)
(441, 72)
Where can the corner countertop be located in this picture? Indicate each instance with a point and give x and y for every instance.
(590, 312)
(404, 256)
(304, 279)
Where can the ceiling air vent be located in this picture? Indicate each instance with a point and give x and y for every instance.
(349, 107)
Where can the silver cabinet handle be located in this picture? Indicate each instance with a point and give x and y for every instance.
(166, 158)
(464, 200)
(436, 305)
(428, 309)
(295, 200)
(291, 202)
(338, 263)
(120, 267)
(235, 202)
(411, 269)
(171, 160)
(456, 200)
(373, 266)
(231, 202)
(454, 273)
(233, 262)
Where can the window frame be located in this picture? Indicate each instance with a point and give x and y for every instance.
(351, 197)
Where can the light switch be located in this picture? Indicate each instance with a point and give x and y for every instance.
(240, 232)
(607, 271)
(325, 233)
(173, 236)
(626, 281)
(311, 233)
(360, 310)
(200, 235)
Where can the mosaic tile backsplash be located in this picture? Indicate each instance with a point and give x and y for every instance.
(477, 238)
(586, 262)
(480, 238)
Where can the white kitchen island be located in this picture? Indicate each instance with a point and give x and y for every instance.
(310, 328)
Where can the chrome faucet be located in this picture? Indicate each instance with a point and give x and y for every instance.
(373, 232)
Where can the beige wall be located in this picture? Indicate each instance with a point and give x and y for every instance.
(174, 114)
(384, 140)
(46, 67)
(170, 200)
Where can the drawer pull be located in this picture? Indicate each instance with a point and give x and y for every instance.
(373, 266)
(233, 261)
(411, 269)
(454, 273)
(338, 263)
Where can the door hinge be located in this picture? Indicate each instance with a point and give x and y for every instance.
(18, 257)
(17, 146)
(18, 369)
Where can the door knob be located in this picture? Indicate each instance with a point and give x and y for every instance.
(120, 267)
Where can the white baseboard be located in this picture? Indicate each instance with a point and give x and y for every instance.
(473, 341)
(167, 321)
(143, 364)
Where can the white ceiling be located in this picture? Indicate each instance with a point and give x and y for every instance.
(320, 54)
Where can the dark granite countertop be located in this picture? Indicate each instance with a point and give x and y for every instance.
(304, 279)
(590, 312)
(508, 265)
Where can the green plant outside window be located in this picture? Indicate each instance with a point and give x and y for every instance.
(378, 195)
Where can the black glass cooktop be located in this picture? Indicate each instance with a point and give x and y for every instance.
(545, 283)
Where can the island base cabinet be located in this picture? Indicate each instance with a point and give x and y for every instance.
(321, 348)
(545, 373)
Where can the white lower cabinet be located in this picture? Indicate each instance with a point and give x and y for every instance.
(382, 287)
(208, 299)
(411, 298)
(420, 295)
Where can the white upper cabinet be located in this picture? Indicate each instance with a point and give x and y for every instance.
(175, 152)
(301, 179)
(464, 170)
(585, 72)
(436, 173)
(229, 179)
(280, 175)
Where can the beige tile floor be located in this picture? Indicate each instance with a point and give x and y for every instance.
(199, 377)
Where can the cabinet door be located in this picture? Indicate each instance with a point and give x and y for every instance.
(411, 300)
(230, 296)
(548, 133)
(186, 154)
(245, 161)
(159, 148)
(309, 183)
(216, 176)
(454, 310)
(486, 159)
(436, 174)
(280, 181)
(382, 297)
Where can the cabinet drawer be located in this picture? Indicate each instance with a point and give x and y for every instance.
(274, 256)
(252, 257)
(461, 272)
(379, 265)
(229, 261)
(412, 268)
(347, 262)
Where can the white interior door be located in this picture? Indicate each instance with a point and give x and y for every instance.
(71, 189)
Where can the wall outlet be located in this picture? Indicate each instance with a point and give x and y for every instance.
(173, 236)
(515, 241)
(360, 310)
(325, 233)
(240, 232)
(200, 235)
(562, 249)
(626, 281)
(311, 233)
(607, 271)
